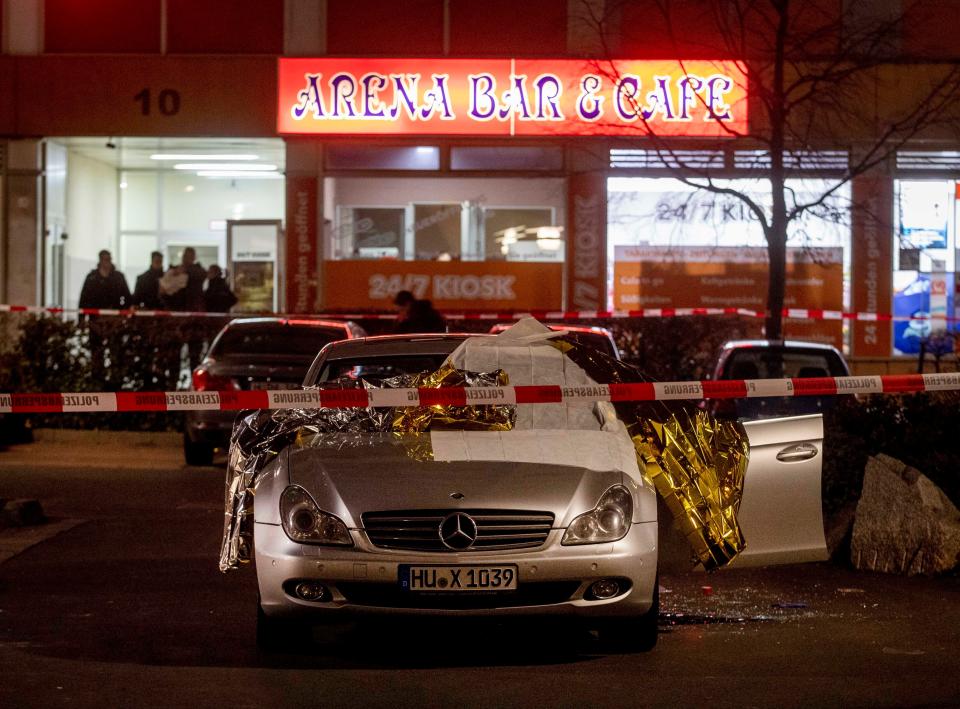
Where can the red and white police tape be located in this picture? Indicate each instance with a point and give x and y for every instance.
(790, 313)
(79, 402)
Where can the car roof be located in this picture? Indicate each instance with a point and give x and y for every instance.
(427, 343)
(779, 344)
(295, 322)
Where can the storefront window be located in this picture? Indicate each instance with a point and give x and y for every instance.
(437, 231)
(465, 219)
(672, 245)
(522, 235)
(506, 158)
(464, 243)
(925, 259)
(370, 232)
(375, 157)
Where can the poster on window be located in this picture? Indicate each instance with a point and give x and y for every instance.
(922, 209)
(922, 302)
(664, 212)
(254, 286)
(731, 277)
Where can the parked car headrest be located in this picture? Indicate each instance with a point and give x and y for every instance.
(809, 372)
(744, 369)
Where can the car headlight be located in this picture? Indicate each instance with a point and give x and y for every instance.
(607, 522)
(304, 522)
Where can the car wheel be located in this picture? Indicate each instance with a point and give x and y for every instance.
(634, 634)
(280, 634)
(197, 452)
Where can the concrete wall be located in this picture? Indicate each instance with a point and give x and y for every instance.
(20, 227)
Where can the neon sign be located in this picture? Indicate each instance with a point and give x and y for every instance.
(523, 97)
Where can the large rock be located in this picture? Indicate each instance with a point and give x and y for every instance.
(904, 523)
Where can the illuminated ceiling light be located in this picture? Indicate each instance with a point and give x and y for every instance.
(548, 238)
(249, 174)
(123, 185)
(203, 156)
(188, 188)
(509, 236)
(425, 149)
(548, 232)
(234, 167)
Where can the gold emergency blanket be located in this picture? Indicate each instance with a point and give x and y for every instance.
(697, 464)
(695, 461)
(418, 419)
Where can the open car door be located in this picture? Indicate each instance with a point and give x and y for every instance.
(781, 510)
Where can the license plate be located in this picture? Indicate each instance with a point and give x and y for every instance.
(274, 385)
(458, 578)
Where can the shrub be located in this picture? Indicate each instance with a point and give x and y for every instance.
(51, 354)
(918, 429)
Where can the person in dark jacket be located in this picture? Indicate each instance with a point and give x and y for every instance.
(146, 294)
(218, 298)
(188, 294)
(404, 302)
(105, 286)
(422, 317)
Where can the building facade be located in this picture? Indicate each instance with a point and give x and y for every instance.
(486, 155)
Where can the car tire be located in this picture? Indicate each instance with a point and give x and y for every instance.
(197, 452)
(280, 634)
(634, 634)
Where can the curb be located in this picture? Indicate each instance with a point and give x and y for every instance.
(159, 439)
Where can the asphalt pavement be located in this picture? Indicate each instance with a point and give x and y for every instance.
(118, 602)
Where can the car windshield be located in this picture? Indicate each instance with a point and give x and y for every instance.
(274, 339)
(594, 340)
(380, 367)
(768, 363)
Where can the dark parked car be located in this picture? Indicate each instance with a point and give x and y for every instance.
(379, 357)
(254, 353)
(778, 359)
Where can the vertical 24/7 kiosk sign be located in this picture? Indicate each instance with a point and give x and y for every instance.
(376, 96)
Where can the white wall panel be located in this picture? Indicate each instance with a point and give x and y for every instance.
(91, 221)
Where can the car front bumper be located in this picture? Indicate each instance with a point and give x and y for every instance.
(364, 579)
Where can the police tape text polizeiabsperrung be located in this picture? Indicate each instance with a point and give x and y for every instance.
(80, 402)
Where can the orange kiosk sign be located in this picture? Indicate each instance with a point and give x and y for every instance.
(505, 97)
(731, 277)
(451, 285)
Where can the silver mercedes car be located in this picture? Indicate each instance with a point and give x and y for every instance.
(550, 518)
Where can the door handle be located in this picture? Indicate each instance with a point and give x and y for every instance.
(794, 454)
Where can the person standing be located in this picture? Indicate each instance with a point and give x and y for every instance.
(421, 316)
(403, 300)
(218, 298)
(105, 286)
(146, 294)
(181, 287)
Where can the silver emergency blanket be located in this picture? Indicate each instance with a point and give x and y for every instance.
(259, 436)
